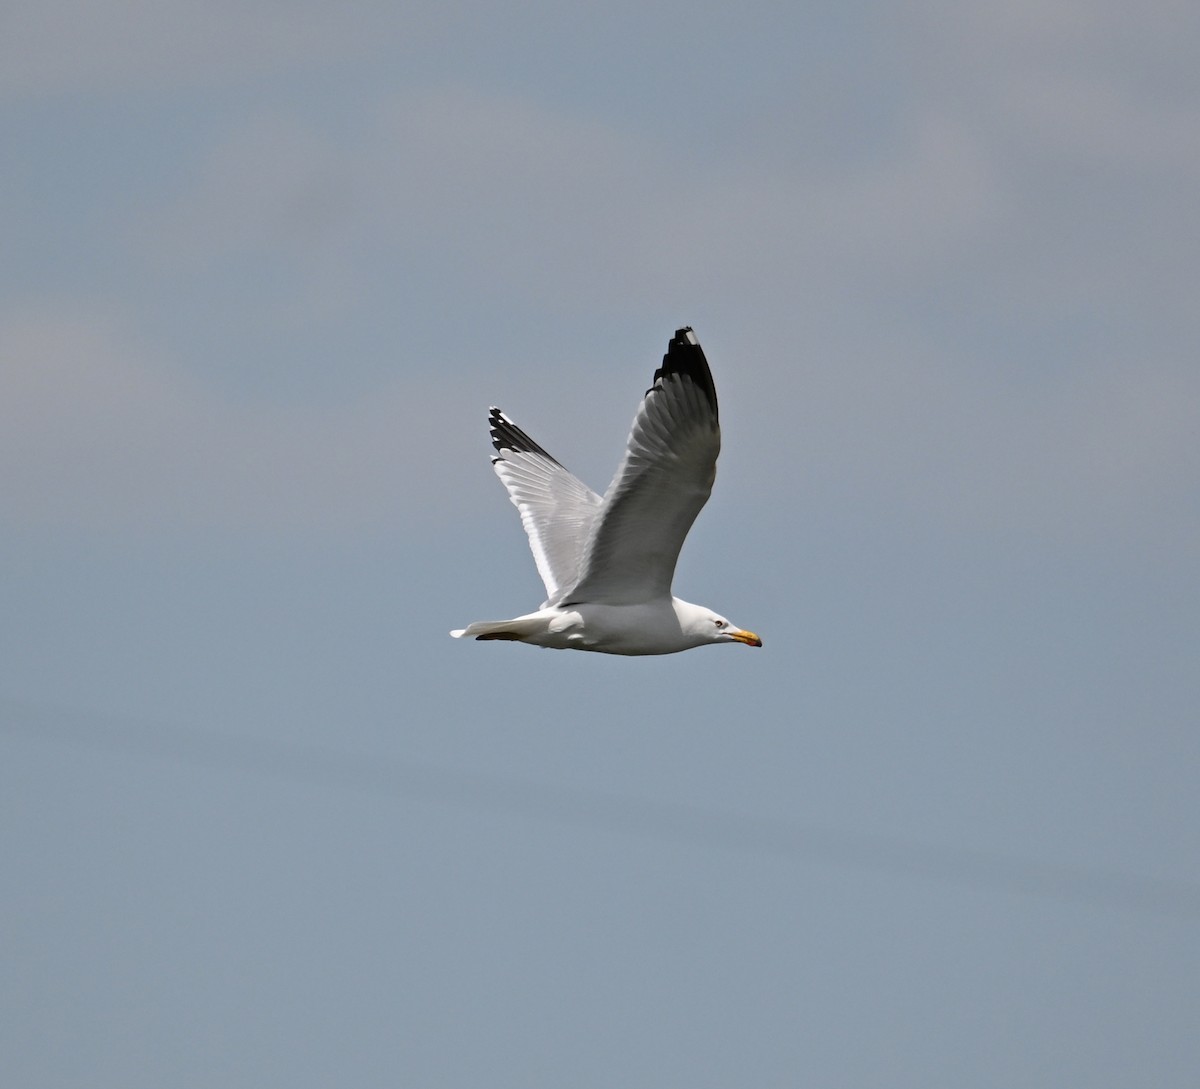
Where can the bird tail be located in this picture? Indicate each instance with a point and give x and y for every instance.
(514, 630)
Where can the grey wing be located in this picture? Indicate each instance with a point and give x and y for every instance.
(557, 509)
(662, 483)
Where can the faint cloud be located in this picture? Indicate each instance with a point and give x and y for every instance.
(1100, 451)
(99, 430)
(1102, 79)
(73, 46)
(1100, 120)
(1087, 25)
(503, 194)
(274, 183)
(985, 311)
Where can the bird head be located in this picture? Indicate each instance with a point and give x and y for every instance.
(705, 626)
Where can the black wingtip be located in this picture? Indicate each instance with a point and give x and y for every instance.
(685, 358)
(506, 435)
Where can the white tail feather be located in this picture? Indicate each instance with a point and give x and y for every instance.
(519, 629)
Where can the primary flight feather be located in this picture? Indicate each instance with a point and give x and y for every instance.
(607, 563)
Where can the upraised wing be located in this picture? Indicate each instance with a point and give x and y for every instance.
(557, 509)
(661, 484)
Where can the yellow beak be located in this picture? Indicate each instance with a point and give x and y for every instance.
(747, 637)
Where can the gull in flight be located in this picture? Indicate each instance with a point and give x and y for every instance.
(608, 562)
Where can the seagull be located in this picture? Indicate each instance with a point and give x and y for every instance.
(608, 563)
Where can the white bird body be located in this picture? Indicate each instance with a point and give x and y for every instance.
(608, 563)
(663, 626)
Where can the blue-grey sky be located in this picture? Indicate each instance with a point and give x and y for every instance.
(265, 823)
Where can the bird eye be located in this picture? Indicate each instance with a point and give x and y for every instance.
(719, 623)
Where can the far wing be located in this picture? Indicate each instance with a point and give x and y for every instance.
(663, 481)
(557, 508)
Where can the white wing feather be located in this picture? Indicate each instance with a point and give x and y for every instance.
(557, 509)
(661, 485)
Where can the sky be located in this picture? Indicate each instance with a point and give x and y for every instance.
(262, 822)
